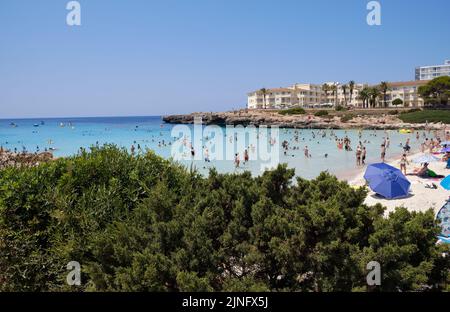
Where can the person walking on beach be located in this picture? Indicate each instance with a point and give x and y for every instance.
(245, 156)
(403, 162)
(383, 152)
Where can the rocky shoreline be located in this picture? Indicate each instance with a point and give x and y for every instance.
(305, 121)
(10, 159)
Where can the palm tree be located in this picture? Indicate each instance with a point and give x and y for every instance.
(384, 87)
(351, 86)
(325, 89)
(364, 96)
(264, 92)
(374, 93)
(344, 90)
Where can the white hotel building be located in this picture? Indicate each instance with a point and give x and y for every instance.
(308, 95)
(303, 95)
(434, 71)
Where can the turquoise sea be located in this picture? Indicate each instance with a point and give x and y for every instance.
(65, 136)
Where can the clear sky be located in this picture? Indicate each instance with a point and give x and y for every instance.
(146, 57)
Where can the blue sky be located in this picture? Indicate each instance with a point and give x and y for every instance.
(144, 57)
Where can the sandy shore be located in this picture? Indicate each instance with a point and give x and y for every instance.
(421, 198)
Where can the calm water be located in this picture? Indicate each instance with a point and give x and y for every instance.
(66, 135)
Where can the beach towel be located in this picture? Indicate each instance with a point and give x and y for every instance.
(434, 175)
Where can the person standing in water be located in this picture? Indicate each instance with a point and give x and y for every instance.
(383, 152)
(363, 156)
(236, 160)
(306, 152)
(358, 155)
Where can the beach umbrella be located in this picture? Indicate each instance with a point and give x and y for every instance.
(445, 183)
(387, 181)
(374, 170)
(426, 158)
(445, 143)
(445, 150)
(444, 217)
(444, 240)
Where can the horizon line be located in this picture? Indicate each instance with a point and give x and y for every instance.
(74, 117)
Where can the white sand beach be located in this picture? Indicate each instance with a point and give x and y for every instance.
(421, 198)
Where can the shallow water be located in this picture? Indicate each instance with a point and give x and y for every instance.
(67, 135)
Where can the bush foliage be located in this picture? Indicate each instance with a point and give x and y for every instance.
(347, 117)
(141, 223)
(321, 113)
(293, 111)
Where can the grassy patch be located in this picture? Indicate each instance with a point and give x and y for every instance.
(426, 115)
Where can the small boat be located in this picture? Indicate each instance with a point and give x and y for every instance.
(405, 131)
(36, 125)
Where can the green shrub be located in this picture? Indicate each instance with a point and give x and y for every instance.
(413, 110)
(293, 111)
(397, 102)
(142, 223)
(340, 108)
(321, 113)
(393, 112)
(347, 118)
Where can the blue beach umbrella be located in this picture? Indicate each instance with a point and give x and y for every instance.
(444, 217)
(445, 183)
(445, 150)
(387, 181)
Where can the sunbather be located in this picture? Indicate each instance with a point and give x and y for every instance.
(425, 172)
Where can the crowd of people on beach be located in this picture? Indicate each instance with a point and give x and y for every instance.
(297, 142)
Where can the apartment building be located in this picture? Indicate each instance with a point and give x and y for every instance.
(278, 98)
(406, 91)
(345, 98)
(304, 95)
(433, 71)
(308, 95)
